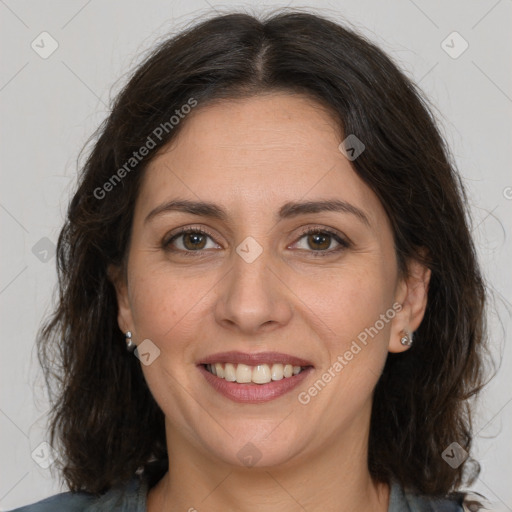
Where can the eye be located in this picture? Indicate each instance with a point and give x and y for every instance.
(321, 242)
(189, 240)
(317, 241)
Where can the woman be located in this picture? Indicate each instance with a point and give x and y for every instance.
(270, 218)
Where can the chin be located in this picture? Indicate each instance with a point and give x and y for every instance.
(250, 445)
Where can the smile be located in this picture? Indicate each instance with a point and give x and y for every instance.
(259, 374)
(254, 377)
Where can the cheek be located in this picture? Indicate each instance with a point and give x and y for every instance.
(153, 308)
(168, 303)
(347, 300)
(352, 313)
(157, 300)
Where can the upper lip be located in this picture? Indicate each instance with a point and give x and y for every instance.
(254, 359)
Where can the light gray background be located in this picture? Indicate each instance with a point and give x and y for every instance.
(50, 106)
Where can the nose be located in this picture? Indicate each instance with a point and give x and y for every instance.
(253, 298)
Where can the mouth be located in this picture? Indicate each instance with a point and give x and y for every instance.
(254, 378)
(259, 374)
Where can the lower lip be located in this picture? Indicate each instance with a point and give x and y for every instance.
(254, 393)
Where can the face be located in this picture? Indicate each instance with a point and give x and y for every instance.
(258, 254)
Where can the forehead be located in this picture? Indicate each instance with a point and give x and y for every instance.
(260, 127)
(257, 152)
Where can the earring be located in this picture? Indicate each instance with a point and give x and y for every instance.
(406, 338)
(130, 346)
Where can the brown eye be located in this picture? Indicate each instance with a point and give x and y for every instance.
(194, 241)
(319, 241)
(189, 241)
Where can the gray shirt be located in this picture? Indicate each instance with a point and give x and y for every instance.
(132, 498)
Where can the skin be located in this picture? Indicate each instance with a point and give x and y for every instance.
(250, 157)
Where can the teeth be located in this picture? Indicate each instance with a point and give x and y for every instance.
(260, 374)
(277, 372)
(229, 372)
(219, 371)
(243, 374)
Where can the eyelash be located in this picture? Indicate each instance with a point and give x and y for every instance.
(166, 244)
(343, 243)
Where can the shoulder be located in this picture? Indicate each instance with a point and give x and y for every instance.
(405, 501)
(66, 501)
(427, 504)
(128, 498)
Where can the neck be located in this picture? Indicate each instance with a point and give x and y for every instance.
(335, 479)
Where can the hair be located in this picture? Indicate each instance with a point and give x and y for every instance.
(103, 415)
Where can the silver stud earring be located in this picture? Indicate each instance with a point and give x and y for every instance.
(406, 338)
(130, 346)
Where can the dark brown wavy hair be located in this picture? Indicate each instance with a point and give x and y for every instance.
(104, 421)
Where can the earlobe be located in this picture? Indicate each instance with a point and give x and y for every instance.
(124, 315)
(412, 294)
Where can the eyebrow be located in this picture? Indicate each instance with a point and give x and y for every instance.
(287, 211)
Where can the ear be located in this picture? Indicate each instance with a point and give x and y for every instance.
(117, 277)
(411, 294)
